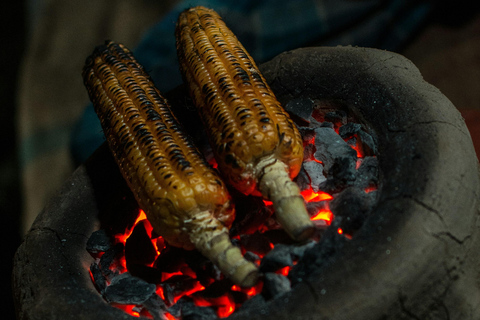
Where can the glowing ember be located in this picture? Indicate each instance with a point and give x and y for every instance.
(183, 281)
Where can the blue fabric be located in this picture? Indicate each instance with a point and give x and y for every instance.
(267, 28)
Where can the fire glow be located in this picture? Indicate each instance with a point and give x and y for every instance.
(198, 289)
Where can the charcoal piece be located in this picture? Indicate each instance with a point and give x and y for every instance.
(367, 173)
(340, 176)
(274, 285)
(251, 213)
(349, 130)
(351, 206)
(309, 152)
(280, 256)
(327, 124)
(250, 256)
(337, 117)
(215, 290)
(156, 307)
(313, 207)
(109, 260)
(302, 180)
(186, 309)
(307, 133)
(298, 250)
(254, 303)
(276, 236)
(98, 279)
(126, 289)
(138, 247)
(99, 241)
(332, 150)
(314, 171)
(367, 144)
(170, 259)
(300, 110)
(256, 242)
(149, 274)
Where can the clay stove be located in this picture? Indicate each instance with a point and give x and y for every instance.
(415, 256)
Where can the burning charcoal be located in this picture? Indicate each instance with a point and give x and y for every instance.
(367, 173)
(99, 241)
(350, 207)
(341, 175)
(307, 133)
(300, 110)
(332, 150)
(170, 259)
(108, 260)
(349, 130)
(367, 143)
(204, 269)
(256, 243)
(280, 256)
(149, 274)
(179, 284)
(98, 278)
(126, 289)
(186, 309)
(251, 213)
(327, 124)
(313, 207)
(278, 236)
(138, 247)
(314, 171)
(156, 307)
(274, 285)
(255, 303)
(215, 290)
(250, 256)
(337, 117)
(302, 180)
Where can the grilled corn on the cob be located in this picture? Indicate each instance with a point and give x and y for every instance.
(184, 199)
(256, 144)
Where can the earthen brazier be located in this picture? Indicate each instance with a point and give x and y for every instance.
(415, 257)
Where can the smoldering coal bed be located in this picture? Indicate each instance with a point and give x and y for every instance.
(410, 254)
(141, 274)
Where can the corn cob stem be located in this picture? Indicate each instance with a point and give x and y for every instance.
(256, 144)
(182, 196)
(275, 184)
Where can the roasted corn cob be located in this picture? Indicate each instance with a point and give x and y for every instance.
(256, 144)
(182, 196)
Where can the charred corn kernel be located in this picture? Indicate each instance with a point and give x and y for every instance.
(184, 199)
(256, 144)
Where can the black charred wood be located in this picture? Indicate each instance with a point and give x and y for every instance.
(251, 213)
(138, 247)
(332, 150)
(314, 170)
(256, 243)
(300, 110)
(186, 309)
(280, 256)
(367, 173)
(170, 259)
(99, 280)
(149, 274)
(99, 241)
(349, 130)
(302, 180)
(367, 143)
(337, 117)
(109, 260)
(126, 289)
(156, 307)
